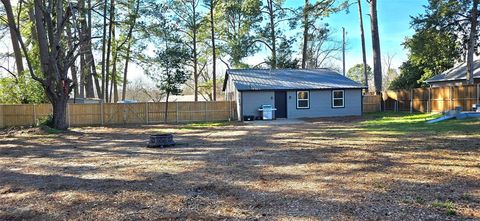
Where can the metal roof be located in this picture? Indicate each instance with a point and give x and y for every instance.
(289, 79)
(456, 73)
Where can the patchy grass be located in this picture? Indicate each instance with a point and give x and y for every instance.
(322, 170)
(449, 206)
(403, 123)
(204, 125)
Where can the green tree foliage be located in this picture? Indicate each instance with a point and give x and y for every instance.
(168, 67)
(447, 16)
(356, 73)
(23, 90)
(435, 47)
(237, 19)
(285, 57)
(408, 78)
(278, 19)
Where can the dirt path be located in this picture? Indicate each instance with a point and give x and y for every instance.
(315, 170)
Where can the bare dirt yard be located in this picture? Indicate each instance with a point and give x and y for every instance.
(379, 167)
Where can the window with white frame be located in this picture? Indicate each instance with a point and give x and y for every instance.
(303, 99)
(338, 98)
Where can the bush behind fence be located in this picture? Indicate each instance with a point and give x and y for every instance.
(114, 114)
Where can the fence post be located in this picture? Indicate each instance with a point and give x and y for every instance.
(411, 100)
(205, 106)
(396, 105)
(101, 113)
(176, 111)
(146, 111)
(381, 100)
(451, 98)
(1, 117)
(68, 114)
(34, 115)
(429, 100)
(230, 111)
(125, 113)
(478, 94)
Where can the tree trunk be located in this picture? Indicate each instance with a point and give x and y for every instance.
(125, 81)
(60, 113)
(104, 41)
(109, 48)
(74, 73)
(73, 69)
(305, 34)
(127, 57)
(377, 58)
(56, 84)
(89, 54)
(214, 53)
(114, 94)
(166, 107)
(81, 87)
(362, 36)
(272, 34)
(14, 37)
(84, 40)
(195, 55)
(472, 42)
(114, 79)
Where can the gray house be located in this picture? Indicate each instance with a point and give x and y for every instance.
(455, 76)
(295, 93)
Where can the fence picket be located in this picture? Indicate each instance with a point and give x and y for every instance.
(109, 114)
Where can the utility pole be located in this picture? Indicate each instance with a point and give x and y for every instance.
(343, 50)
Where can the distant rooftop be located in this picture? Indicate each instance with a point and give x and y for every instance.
(289, 79)
(456, 73)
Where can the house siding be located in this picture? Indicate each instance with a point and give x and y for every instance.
(252, 100)
(321, 104)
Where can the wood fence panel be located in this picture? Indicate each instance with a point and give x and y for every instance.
(84, 114)
(192, 111)
(156, 112)
(111, 114)
(390, 100)
(18, 115)
(42, 111)
(464, 96)
(2, 125)
(420, 99)
(440, 99)
(218, 110)
(134, 113)
(371, 103)
(404, 100)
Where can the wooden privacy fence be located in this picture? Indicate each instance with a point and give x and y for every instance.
(372, 103)
(111, 114)
(436, 99)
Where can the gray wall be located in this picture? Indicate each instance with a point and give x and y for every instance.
(252, 100)
(321, 104)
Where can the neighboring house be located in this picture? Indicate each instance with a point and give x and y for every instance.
(295, 93)
(455, 76)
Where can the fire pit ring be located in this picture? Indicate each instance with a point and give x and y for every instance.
(161, 140)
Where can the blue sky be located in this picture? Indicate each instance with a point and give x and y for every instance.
(394, 26)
